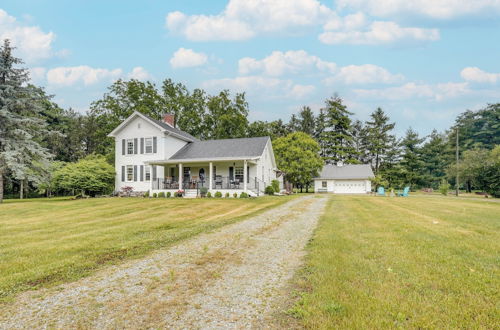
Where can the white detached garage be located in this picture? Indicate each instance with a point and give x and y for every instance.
(344, 179)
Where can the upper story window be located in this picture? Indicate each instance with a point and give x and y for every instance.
(130, 146)
(148, 143)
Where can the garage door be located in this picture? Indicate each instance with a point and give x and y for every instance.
(350, 187)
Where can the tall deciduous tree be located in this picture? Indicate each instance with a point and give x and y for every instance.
(297, 154)
(226, 117)
(21, 125)
(379, 138)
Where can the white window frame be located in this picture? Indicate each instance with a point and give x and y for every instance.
(237, 173)
(147, 172)
(130, 144)
(131, 168)
(150, 139)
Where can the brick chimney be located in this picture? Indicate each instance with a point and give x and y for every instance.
(169, 118)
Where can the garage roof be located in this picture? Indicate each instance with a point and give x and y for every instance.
(354, 171)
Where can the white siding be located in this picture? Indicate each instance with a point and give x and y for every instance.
(343, 186)
(136, 129)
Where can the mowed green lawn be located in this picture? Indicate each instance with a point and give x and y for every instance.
(52, 241)
(416, 262)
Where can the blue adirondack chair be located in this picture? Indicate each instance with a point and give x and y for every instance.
(405, 192)
(380, 191)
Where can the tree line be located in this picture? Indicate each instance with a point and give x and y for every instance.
(39, 139)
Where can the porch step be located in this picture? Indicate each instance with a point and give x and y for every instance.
(190, 193)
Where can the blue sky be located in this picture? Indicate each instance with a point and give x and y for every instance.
(422, 61)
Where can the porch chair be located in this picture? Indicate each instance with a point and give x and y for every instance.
(405, 192)
(380, 191)
(218, 181)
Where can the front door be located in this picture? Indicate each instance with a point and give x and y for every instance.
(201, 175)
(231, 173)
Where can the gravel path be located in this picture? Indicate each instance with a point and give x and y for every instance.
(231, 278)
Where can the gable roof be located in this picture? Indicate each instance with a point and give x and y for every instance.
(350, 171)
(225, 148)
(172, 129)
(164, 127)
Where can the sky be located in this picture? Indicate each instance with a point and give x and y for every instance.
(422, 61)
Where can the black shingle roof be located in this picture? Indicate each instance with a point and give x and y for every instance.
(243, 147)
(351, 171)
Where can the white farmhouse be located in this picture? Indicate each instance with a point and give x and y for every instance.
(155, 156)
(344, 179)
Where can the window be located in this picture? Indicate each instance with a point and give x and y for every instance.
(238, 173)
(130, 173)
(149, 145)
(323, 184)
(130, 147)
(147, 173)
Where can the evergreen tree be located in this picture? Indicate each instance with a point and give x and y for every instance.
(411, 160)
(379, 137)
(307, 121)
(21, 124)
(359, 141)
(434, 159)
(336, 138)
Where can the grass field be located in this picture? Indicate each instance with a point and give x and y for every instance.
(416, 262)
(44, 242)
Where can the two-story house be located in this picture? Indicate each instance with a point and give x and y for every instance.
(155, 156)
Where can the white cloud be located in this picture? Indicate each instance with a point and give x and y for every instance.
(139, 73)
(378, 32)
(258, 85)
(279, 63)
(185, 58)
(436, 9)
(475, 74)
(243, 19)
(68, 76)
(32, 43)
(412, 90)
(37, 74)
(364, 74)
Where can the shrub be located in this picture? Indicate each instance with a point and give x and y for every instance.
(179, 193)
(444, 187)
(168, 194)
(203, 191)
(146, 194)
(243, 195)
(209, 194)
(276, 186)
(235, 195)
(227, 195)
(218, 194)
(269, 190)
(154, 195)
(161, 194)
(127, 190)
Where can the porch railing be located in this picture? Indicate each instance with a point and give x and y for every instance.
(219, 182)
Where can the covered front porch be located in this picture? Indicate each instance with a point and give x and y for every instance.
(225, 176)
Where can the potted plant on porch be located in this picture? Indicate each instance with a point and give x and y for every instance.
(179, 193)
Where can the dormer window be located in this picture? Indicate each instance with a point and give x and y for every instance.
(130, 146)
(148, 142)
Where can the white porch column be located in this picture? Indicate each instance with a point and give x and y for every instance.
(245, 174)
(210, 175)
(181, 176)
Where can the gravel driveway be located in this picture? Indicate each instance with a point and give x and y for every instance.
(234, 277)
